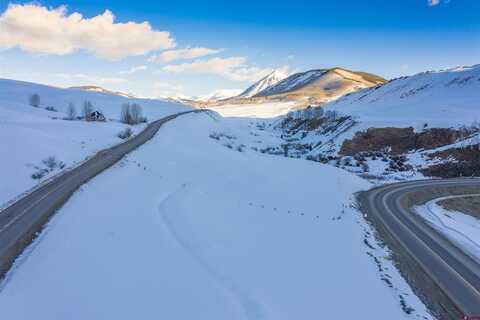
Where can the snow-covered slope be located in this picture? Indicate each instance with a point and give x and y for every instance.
(103, 90)
(439, 98)
(320, 86)
(293, 82)
(30, 135)
(263, 84)
(167, 235)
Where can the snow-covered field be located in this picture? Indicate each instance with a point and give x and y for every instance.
(184, 228)
(265, 110)
(30, 135)
(460, 228)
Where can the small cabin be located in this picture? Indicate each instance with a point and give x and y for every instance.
(96, 116)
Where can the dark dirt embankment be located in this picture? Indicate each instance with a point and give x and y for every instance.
(400, 140)
(463, 162)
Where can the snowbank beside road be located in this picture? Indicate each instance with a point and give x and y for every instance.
(461, 229)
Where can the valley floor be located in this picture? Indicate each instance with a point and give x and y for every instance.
(185, 228)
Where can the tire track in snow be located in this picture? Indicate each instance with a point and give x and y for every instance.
(252, 309)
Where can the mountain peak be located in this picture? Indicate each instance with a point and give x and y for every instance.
(269, 80)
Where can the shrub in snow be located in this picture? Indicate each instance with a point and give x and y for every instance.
(39, 174)
(125, 134)
(50, 108)
(215, 135)
(219, 135)
(347, 161)
(48, 165)
(52, 163)
(240, 148)
(34, 100)
(365, 167)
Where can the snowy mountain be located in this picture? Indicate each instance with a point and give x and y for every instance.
(102, 90)
(263, 84)
(296, 80)
(320, 86)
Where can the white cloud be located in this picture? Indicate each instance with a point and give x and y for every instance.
(134, 70)
(183, 54)
(81, 78)
(233, 68)
(433, 3)
(38, 29)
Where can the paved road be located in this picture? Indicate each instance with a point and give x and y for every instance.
(23, 219)
(453, 271)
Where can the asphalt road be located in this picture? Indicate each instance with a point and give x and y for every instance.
(21, 221)
(455, 273)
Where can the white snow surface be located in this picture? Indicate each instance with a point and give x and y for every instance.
(462, 229)
(273, 78)
(262, 110)
(184, 228)
(30, 135)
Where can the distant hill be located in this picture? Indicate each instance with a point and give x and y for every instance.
(320, 86)
(103, 90)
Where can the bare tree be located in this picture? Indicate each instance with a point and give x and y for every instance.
(34, 100)
(87, 109)
(71, 111)
(132, 114)
(136, 113)
(125, 114)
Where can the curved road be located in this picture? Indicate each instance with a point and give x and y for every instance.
(450, 268)
(23, 219)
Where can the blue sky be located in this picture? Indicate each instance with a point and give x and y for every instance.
(239, 41)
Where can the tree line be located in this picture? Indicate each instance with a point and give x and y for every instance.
(131, 113)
